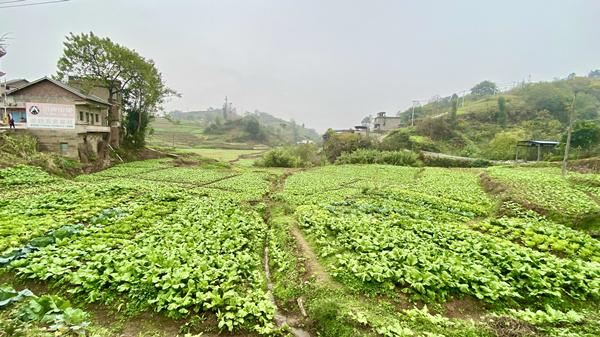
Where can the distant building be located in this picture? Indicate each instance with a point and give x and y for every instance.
(12, 84)
(63, 118)
(361, 130)
(384, 123)
(305, 141)
(7, 86)
(343, 130)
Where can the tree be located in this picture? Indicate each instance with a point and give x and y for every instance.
(484, 88)
(227, 107)
(334, 144)
(434, 102)
(367, 121)
(548, 96)
(435, 128)
(254, 128)
(504, 145)
(141, 100)
(132, 81)
(396, 141)
(294, 130)
(453, 110)
(585, 134)
(502, 114)
(595, 74)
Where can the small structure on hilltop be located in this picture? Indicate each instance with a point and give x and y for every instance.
(535, 143)
(360, 130)
(384, 123)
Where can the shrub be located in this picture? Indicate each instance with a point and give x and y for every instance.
(436, 161)
(399, 158)
(22, 145)
(480, 163)
(304, 155)
(361, 156)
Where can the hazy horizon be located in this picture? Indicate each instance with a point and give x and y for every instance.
(326, 64)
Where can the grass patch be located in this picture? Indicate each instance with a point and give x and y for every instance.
(220, 154)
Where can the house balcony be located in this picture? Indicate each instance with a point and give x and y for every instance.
(88, 128)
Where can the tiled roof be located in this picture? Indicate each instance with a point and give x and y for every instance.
(64, 86)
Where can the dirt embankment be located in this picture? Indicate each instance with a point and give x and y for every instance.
(585, 165)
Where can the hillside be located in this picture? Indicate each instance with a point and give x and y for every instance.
(489, 123)
(194, 129)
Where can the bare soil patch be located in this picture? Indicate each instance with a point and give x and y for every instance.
(509, 327)
(311, 263)
(466, 308)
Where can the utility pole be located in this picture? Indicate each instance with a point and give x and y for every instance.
(463, 101)
(412, 120)
(4, 91)
(564, 167)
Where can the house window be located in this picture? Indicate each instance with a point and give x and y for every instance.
(81, 116)
(64, 149)
(97, 119)
(87, 117)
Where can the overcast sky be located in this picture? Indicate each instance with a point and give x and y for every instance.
(324, 63)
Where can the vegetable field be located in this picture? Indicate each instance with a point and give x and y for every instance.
(368, 250)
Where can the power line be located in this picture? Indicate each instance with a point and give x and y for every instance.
(33, 4)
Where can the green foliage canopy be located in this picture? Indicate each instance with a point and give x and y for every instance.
(502, 115)
(336, 143)
(584, 135)
(484, 88)
(504, 145)
(96, 61)
(548, 96)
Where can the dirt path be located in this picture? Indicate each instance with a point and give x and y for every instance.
(246, 156)
(312, 263)
(419, 174)
(593, 197)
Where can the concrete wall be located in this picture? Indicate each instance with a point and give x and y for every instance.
(86, 115)
(80, 145)
(49, 140)
(387, 123)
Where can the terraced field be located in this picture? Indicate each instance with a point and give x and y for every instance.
(334, 251)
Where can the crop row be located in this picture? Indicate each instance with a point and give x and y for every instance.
(536, 231)
(204, 255)
(456, 184)
(437, 259)
(26, 218)
(546, 189)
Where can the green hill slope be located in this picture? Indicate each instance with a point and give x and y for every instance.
(207, 129)
(489, 125)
